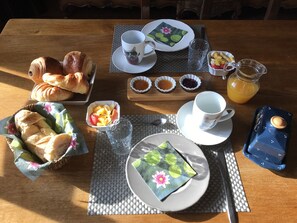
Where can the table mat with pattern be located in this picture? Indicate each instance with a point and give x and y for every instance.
(109, 191)
(166, 61)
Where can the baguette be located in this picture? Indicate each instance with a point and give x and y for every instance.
(39, 138)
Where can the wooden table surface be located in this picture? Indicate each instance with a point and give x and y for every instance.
(62, 196)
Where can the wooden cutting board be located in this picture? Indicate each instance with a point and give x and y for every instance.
(154, 95)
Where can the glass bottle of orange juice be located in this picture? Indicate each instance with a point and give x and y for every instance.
(243, 84)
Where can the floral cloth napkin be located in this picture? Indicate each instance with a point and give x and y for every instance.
(164, 170)
(167, 34)
(59, 120)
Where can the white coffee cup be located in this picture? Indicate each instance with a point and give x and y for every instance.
(133, 46)
(209, 108)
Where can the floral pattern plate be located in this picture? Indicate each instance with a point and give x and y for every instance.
(186, 195)
(182, 44)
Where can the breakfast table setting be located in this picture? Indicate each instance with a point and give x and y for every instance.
(163, 120)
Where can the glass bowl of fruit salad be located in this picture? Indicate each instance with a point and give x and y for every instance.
(217, 60)
(102, 115)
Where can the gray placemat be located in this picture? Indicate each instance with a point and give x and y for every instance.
(109, 191)
(166, 61)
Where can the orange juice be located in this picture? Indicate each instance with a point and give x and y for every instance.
(241, 91)
(243, 84)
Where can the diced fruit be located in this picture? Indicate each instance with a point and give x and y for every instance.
(94, 119)
(114, 114)
(103, 115)
(219, 59)
(216, 66)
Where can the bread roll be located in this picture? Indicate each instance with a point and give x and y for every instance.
(47, 92)
(76, 61)
(74, 82)
(57, 146)
(38, 136)
(43, 65)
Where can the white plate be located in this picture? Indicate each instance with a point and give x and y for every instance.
(119, 60)
(216, 135)
(184, 43)
(185, 196)
(80, 99)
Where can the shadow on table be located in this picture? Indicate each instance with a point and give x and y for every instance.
(52, 196)
(18, 82)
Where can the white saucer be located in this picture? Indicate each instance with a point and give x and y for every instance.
(119, 60)
(216, 135)
(185, 196)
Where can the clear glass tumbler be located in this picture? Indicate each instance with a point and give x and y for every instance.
(198, 49)
(120, 137)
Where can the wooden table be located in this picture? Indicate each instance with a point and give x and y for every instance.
(62, 196)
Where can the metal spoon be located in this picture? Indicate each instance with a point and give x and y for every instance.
(159, 122)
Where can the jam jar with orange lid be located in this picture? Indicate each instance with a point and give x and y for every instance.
(243, 84)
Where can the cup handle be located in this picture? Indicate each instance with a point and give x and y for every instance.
(230, 114)
(229, 66)
(152, 44)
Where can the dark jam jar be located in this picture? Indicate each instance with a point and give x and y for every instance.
(189, 82)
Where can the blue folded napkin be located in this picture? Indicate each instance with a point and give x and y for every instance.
(167, 34)
(164, 170)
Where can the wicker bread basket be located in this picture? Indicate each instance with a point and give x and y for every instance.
(60, 121)
(53, 165)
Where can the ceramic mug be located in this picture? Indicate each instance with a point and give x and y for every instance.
(133, 46)
(209, 108)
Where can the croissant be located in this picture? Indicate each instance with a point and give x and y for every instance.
(74, 82)
(42, 65)
(47, 92)
(76, 61)
(38, 136)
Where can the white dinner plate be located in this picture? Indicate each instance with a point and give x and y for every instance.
(186, 195)
(184, 43)
(119, 60)
(216, 135)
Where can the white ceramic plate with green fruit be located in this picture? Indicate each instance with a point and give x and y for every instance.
(181, 44)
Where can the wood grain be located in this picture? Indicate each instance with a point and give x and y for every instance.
(62, 196)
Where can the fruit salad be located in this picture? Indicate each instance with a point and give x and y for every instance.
(103, 115)
(218, 59)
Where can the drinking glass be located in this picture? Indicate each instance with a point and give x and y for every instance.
(198, 49)
(120, 137)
